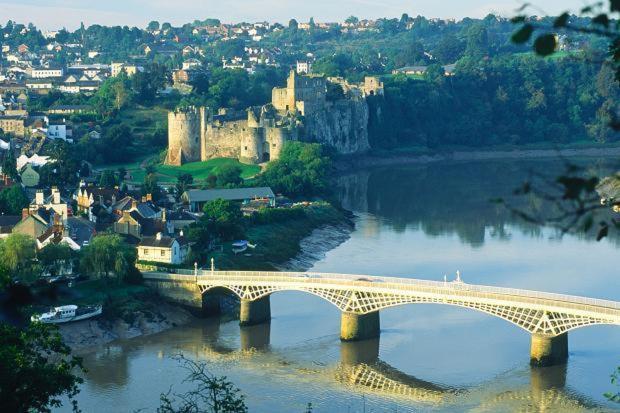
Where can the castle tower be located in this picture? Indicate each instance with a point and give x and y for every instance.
(184, 136)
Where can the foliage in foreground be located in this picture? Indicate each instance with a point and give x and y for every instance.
(212, 394)
(36, 369)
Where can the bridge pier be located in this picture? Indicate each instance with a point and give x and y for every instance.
(355, 327)
(255, 312)
(255, 337)
(548, 351)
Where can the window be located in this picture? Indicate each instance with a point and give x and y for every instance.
(163, 252)
(146, 251)
(246, 148)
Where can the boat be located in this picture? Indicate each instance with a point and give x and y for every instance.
(66, 313)
(239, 246)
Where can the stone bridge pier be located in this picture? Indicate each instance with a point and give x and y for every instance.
(547, 350)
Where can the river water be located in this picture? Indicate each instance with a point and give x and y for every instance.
(419, 221)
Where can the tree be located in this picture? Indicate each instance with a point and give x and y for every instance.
(107, 179)
(229, 175)
(53, 257)
(153, 25)
(293, 25)
(9, 164)
(183, 183)
(224, 218)
(107, 254)
(301, 170)
(36, 369)
(150, 186)
(13, 200)
(212, 394)
(352, 20)
(16, 253)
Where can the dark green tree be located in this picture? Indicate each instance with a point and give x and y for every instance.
(37, 369)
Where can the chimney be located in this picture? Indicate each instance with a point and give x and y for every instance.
(39, 198)
(149, 197)
(181, 233)
(25, 213)
(158, 236)
(134, 204)
(163, 215)
(55, 195)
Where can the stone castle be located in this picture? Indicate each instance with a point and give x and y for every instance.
(300, 111)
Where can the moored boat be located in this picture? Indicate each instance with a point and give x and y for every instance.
(66, 313)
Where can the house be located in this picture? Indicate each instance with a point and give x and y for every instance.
(196, 198)
(69, 109)
(29, 177)
(89, 196)
(179, 220)
(54, 202)
(164, 249)
(57, 234)
(7, 223)
(34, 223)
(15, 125)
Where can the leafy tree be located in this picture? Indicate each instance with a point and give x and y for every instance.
(334, 92)
(301, 170)
(13, 200)
(153, 25)
(224, 218)
(183, 183)
(229, 175)
(293, 25)
(54, 256)
(150, 186)
(9, 164)
(352, 20)
(107, 254)
(107, 179)
(212, 394)
(37, 369)
(16, 253)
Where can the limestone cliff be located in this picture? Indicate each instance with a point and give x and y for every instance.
(343, 124)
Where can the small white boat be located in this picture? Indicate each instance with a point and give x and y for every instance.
(239, 246)
(66, 313)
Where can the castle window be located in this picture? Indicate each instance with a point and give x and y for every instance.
(273, 144)
(246, 148)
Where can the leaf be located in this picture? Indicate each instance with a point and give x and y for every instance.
(601, 19)
(602, 233)
(545, 45)
(561, 20)
(517, 19)
(588, 223)
(523, 34)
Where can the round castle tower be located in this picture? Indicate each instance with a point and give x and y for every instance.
(184, 132)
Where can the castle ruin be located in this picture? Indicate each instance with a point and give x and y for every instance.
(299, 111)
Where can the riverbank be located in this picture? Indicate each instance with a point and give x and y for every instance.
(84, 335)
(398, 157)
(279, 243)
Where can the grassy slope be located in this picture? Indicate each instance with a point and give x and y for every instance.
(199, 170)
(277, 242)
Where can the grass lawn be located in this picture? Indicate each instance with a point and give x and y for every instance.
(199, 170)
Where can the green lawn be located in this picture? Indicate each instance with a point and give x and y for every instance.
(199, 170)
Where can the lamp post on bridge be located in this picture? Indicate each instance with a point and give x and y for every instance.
(196, 271)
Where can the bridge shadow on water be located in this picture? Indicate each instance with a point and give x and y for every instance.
(358, 369)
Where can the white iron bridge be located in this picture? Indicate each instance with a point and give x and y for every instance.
(545, 315)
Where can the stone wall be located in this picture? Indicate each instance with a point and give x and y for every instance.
(183, 136)
(179, 292)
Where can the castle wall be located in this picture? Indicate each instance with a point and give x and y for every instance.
(183, 136)
(224, 141)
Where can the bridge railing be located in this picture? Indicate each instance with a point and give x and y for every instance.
(439, 287)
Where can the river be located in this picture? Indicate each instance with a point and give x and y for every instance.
(419, 221)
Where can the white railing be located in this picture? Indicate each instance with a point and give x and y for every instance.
(460, 289)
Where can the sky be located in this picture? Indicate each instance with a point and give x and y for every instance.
(55, 14)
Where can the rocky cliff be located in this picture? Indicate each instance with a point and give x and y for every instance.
(343, 124)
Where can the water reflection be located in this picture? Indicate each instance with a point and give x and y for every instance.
(444, 198)
(359, 369)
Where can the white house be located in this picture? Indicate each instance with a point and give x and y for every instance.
(161, 248)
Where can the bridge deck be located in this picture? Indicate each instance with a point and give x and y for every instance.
(394, 285)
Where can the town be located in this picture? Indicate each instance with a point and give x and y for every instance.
(185, 181)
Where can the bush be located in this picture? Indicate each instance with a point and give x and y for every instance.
(271, 215)
(133, 276)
